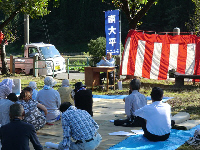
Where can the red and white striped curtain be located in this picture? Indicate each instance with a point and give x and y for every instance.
(152, 55)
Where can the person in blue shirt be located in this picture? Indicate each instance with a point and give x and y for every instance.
(78, 125)
(107, 61)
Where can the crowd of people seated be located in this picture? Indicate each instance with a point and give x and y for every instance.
(33, 109)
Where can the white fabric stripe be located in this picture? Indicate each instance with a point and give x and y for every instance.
(125, 57)
(139, 58)
(190, 60)
(156, 61)
(173, 56)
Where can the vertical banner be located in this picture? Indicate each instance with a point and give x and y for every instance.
(112, 30)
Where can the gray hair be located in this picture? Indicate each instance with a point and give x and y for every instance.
(16, 110)
(135, 84)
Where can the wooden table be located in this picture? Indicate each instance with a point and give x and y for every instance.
(92, 76)
(179, 78)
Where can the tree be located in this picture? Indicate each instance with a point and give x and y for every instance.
(133, 9)
(10, 9)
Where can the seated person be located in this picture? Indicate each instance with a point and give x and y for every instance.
(33, 85)
(32, 113)
(83, 98)
(65, 92)
(108, 61)
(50, 98)
(133, 102)
(80, 131)
(155, 118)
(5, 104)
(17, 134)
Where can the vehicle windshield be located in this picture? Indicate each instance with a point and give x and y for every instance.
(49, 52)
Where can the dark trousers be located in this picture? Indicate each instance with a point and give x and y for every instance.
(148, 135)
(132, 122)
(104, 75)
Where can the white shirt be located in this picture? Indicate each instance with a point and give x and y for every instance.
(158, 116)
(133, 102)
(50, 98)
(110, 62)
(4, 111)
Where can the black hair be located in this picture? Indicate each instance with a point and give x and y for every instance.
(156, 94)
(12, 97)
(64, 106)
(135, 84)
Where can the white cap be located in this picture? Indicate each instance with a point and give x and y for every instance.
(32, 85)
(49, 81)
(65, 82)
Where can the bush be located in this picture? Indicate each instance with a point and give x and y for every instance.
(97, 48)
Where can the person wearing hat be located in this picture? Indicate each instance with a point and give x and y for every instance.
(155, 118)
(83, 98)
(50, 98)
(65, 92)
(33, 85)
(5, 104)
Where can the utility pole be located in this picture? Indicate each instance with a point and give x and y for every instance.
(26, 29)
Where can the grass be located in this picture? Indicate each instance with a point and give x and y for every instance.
(185, 99)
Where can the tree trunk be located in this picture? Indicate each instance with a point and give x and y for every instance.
(5, 69)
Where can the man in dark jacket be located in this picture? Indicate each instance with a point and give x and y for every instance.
(16, 134)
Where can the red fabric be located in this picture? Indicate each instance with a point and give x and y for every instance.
(164, 40)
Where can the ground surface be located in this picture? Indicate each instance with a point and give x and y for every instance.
(104, 111)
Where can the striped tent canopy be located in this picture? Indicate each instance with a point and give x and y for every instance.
(152, 56)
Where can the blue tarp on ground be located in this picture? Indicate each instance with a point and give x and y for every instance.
(123, 96)
(138, 142)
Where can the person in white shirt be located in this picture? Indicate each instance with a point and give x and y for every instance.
(155, 118)
(133, 102)
(107, 61)
(50, 98)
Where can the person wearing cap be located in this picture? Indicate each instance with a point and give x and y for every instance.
(83, 98)
(80, 131)
(155, 118)
(65, 92)
(5, 104)
(50, 98)
(134, 101)
(33, 85)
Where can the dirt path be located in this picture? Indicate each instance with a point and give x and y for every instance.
(104, 111)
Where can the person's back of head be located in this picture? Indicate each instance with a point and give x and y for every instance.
(64, 106)
(65, 82)
(16, 111)
(135, 84)
(156, 94)
(12, 97)
(26, 94)
(32, 85)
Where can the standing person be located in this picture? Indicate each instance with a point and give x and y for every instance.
(108, 61)
(32, 113)
(65, 92)
(133, 102)
(80, 126)
(16, 134)
(50, 98)
(83, 98)
(156, 117)
(33, 85)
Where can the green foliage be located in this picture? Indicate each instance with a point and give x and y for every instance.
(97, 49)
(11, 9)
